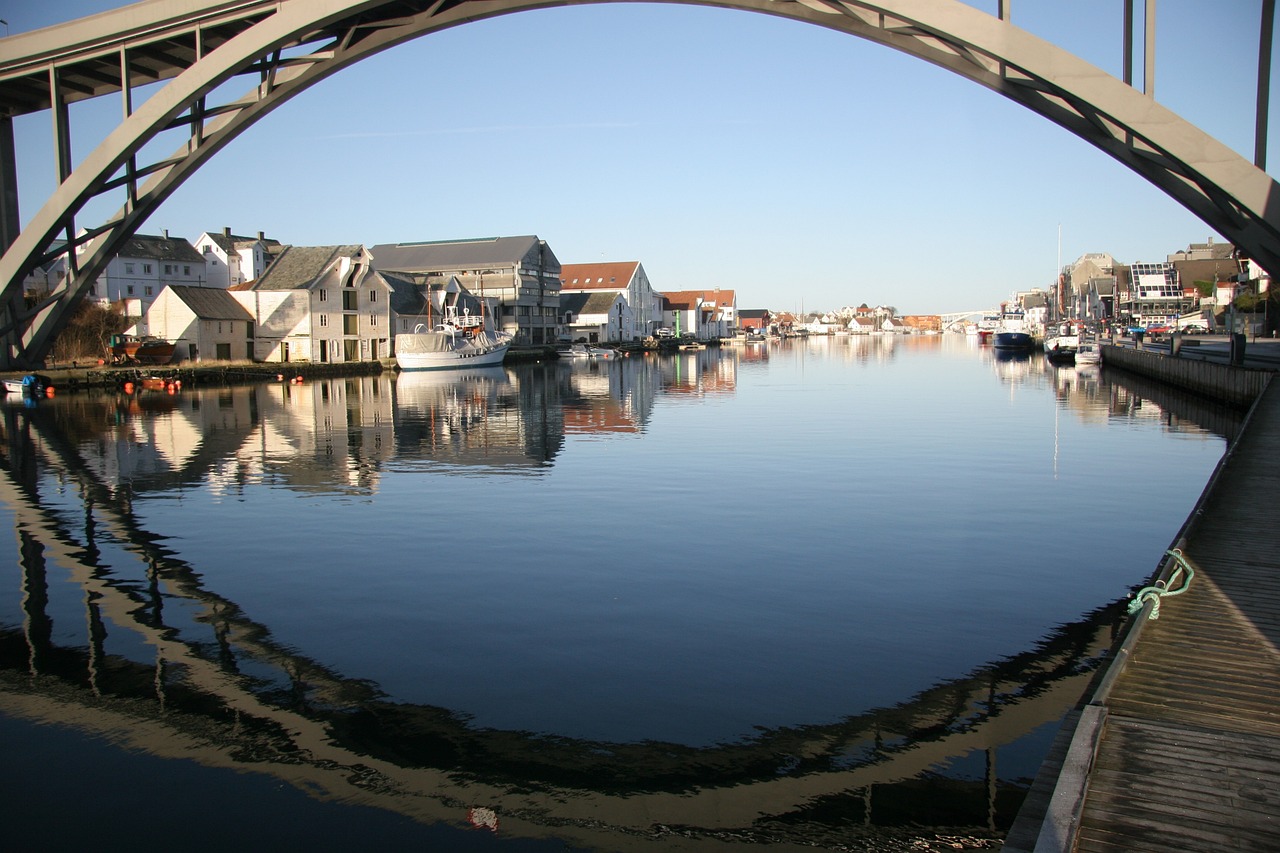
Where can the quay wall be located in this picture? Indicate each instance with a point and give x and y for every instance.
(1238, 386)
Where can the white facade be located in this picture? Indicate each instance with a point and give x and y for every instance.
(643, 314)
(230, 260)
(144, 266)
(205, 325)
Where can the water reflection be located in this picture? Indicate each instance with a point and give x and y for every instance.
(153, 649)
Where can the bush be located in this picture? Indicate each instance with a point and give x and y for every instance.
(87, 334)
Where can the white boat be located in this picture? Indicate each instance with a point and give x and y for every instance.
(1062, 341)
(32, 385)
(1088, 352)
(462, 340)
(584, 351)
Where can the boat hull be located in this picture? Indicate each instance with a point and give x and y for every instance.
(1012, 340)
(451, 360)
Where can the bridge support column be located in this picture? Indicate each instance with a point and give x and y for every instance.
(10, 224)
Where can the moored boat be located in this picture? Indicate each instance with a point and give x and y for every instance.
(143, 349)
(1088, 352)
(31, 386)
(1061, 342)
(1012, 333)
(462, 340)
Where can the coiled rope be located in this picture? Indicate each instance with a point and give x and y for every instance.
(1161, 588)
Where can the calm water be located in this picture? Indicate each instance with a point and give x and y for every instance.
(836, 592)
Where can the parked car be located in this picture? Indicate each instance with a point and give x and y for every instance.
(1159, 329)
(1195, 329)
(663, 333)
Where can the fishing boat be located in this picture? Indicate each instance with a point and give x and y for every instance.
(142, 349)
(1088, 352)
(1012, 333)
(1061, 342)
(463, 339)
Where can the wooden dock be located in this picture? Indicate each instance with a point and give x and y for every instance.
(1178, 746)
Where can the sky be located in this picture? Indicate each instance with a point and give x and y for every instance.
(805, 169)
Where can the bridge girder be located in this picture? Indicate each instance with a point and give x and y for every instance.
(292, 44)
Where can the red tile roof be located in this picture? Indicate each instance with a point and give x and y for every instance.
(592, 276)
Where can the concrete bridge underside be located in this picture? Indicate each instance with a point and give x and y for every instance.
(286, 46)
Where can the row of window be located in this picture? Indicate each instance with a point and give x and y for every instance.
(169, 269)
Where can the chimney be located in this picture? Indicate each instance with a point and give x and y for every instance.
(226, 232)
(260, 237)
(166, 233)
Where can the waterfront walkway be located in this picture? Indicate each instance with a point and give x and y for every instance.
(1178, 746)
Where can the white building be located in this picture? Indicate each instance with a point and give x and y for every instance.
(143, 267)
(206, 323)
(644, 304)
(230, 259)
(596, 317)
(323, 304)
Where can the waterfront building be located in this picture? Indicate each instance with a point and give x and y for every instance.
(862, 324)
(325, 304)
(644, 304)
(230, 259)
(754, 319)
(702, 314)
(143, 267)
(596, 317)
(1155, 295)
(519, 276)
(206, 323)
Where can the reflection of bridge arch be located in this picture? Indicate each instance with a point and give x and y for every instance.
(339, 738)
(289, 45)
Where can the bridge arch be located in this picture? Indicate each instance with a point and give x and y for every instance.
(290, 45)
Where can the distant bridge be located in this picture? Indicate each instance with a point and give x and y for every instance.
(279, 48)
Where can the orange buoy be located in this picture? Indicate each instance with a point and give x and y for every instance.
(128, 387)
(48, 392)
(279, 377)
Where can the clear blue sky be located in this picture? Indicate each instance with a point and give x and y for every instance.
(801, 167)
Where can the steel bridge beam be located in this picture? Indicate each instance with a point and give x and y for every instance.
(289, 45)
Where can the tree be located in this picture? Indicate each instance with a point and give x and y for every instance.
(87, 335)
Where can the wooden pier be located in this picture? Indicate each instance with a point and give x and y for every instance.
(1177, 747)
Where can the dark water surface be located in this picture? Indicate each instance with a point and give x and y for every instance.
(835, 593)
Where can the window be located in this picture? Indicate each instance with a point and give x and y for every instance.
(147, 290)
(373, 319)
(129, 290)
(373, 296)
(324, 320)
(186, 270)
(146, 268)
(168, 269)
(128, 269)
(322, 296)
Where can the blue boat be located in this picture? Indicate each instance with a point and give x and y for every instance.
(1012, 332)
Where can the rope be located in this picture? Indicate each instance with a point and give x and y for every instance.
(1160, 589)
